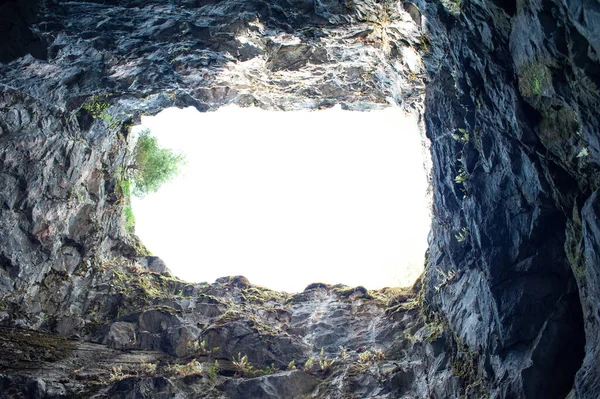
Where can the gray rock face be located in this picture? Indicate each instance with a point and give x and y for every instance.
(507, 93)
(588, 379)
(512, 133)
(288, 384)
(271, 345)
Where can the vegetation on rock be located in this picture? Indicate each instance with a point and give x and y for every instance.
(153, 166)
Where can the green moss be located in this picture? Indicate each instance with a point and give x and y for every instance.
(534, 79)
(353, 292)
(230, 314)
(399, 299)
(477, 389)
(424, 44)
(149, 288)
(558, 130)
(129, 219)
(24, 348)
(462, 367)
(464, 360)
(141, 290)
(139, 247)
(123, 189)
(435, 331)
(260, 295)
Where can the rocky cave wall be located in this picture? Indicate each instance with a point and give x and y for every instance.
(507, 93)
(521, 80)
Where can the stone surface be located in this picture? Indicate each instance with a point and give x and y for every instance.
(322, 343)
(507, 94)
(512, 131)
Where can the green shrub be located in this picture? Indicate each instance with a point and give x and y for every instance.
(99, 110)
(153, 165)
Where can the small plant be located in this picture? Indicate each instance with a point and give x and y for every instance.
(344, 353)
(99, 110)
(269, 370)
(117, 374)
(148, 368)
(379, 355)
(446, 277)
(324, 362)
(364, 357)
(435, 331)
(213, 371)
(292, 365)
(424, 44)
(369, 357)
(243, 367)
(462, 235)
(195, 346)
(310, 364)
(462, 176)
(96, 108)
(463, 136)
(583, 153)
(410, 337)
(193, 367)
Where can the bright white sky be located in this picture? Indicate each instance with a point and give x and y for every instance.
(290, 198)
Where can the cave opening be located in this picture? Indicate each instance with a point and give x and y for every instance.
(290, 198)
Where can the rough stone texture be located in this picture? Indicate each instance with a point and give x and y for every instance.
(507, 93)
(326, 342)
(588, 380)
(512, 116)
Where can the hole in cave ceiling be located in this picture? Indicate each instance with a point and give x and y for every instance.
(290, 198)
